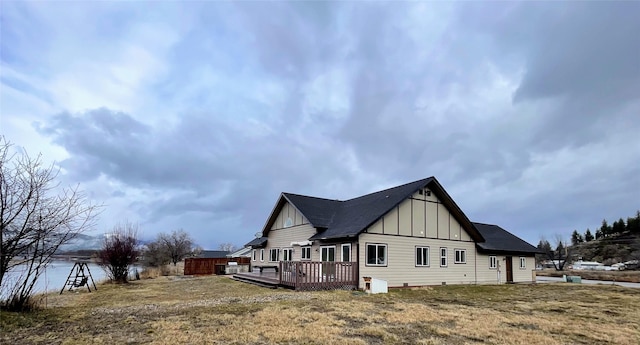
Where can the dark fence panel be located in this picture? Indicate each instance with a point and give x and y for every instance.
(318, 275)
(197, 266)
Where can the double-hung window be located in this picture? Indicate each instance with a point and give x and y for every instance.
(422, 256)
(461, 256)
(306, 253)
(274, 254)
(376, 254)
(493, 262)
(443, 257)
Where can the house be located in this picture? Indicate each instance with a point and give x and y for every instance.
(409, 235)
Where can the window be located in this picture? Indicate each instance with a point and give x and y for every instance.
(328, 253)
(261, 254)
(443, 257)
(346, 252)
(288, 223)
(306, 253)
(287, 254)
(422, 256)
(376, 254)
(253, 254)
(461, 256)
(493, 262)
(274, 254)
(523, 262)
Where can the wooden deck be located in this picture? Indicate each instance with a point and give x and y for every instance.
(270, 278)
(306, 275)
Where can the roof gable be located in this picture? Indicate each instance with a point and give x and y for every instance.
(343, 219)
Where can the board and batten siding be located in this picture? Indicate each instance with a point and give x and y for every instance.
(401, 267)
(288, 211)
(280, 237)
(420, 216)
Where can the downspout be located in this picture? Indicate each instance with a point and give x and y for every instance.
(358, 263)
(475, 264)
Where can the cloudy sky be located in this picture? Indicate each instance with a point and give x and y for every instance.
(198, 115)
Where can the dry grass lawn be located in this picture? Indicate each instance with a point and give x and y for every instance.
(218, 310)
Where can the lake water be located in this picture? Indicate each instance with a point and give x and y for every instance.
(55, 276)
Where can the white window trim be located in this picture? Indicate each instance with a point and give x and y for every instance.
(523, 262)
(277, 254)
(253, 255)
(287, 250)
(262, 255)
(302, 257)
(445, 257)
(455, 258)
(428, 261)
(386, 254)
(493, 262)
(334, 252)
(342, 252)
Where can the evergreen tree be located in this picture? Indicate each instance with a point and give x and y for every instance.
(576, 238)
(588, 237)
(618, 227)
(605, 229)
(633, 224)
(599, 234)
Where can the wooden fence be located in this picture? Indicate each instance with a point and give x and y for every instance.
(196, 266)
(316, 275)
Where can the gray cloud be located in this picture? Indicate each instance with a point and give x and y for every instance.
(337, 101)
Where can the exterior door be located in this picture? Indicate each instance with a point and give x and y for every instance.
(328, 257)
(509, 268)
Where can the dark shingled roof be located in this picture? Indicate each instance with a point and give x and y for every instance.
(352, 216)
(257, 242)
(499, 240)
(344, 219)
(212, 254)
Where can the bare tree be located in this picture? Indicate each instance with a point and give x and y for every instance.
(37, 216)
(228, 247)
(178, 244)
(119, 251)
(156, 255)
(559, 254)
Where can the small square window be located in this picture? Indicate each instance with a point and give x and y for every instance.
(493, 262)
(274, 254)
(461, 256)
(306, 253)
(287, 254)
(422, 256)
(376, 254)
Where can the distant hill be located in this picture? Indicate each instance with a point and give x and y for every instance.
(609, 250)
(83, 243)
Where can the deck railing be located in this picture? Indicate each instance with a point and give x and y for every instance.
(318, 275)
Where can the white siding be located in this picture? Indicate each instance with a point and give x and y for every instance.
(401, 258)
(498, 275)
